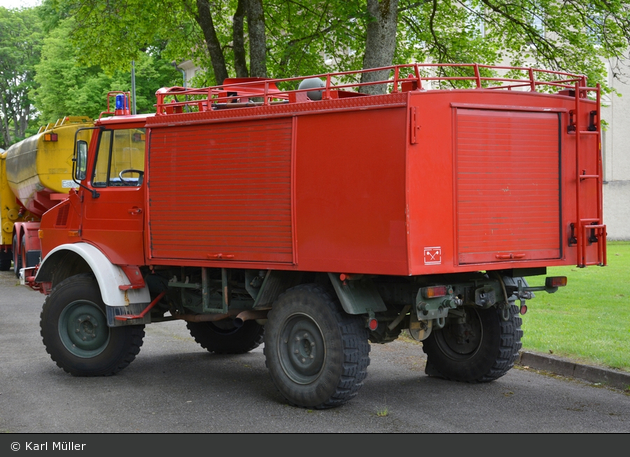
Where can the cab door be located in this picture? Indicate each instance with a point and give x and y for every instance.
(113, 215)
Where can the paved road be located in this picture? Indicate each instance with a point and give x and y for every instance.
(174, 386)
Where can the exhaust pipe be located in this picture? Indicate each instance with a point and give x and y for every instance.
(239, 316)
(205, 317)
(250, 314)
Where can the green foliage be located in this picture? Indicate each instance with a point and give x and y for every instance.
(314, 36)
(20, 44)
(576, 36)
(318, 36)
(91, 43)
(66, 87)
(589, 319)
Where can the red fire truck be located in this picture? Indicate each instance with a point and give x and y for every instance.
(313, 217)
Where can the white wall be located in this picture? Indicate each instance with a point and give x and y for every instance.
(616, 162)
(189, 69)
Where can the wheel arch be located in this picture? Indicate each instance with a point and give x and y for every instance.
(71, 259)
(360, 297)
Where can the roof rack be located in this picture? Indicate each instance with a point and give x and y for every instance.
(241, 92)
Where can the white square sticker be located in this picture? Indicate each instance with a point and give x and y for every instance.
(433, 255)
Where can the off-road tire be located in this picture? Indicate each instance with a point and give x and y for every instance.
(17, 257)
(75, 332)
(487, 352)
(317, 355)
(226, 338)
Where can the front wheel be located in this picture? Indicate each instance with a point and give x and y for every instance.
(75, 332)
(316, 354)
(479, 346)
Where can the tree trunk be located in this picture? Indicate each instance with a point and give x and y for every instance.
(257, 39)
(380, 42)
(238, 40)
(204, 19)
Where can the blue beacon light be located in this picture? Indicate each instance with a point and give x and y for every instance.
(120, 102)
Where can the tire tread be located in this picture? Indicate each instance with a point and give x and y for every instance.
(356, 348)
(130, 340)
(507, 353)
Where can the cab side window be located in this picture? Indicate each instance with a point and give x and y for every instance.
(120, 158)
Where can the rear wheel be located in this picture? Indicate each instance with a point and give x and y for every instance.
(75, 332)
(17, 257)
(480, 347)
(316, 354)
(223, 337)
(24, 260)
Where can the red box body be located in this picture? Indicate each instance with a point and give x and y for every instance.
(401, 184)
(408, 183)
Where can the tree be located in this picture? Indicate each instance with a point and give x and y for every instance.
(380, 41)
(569, 36)
(224, 35)
(66, 87)
(109, 32)
(20, 44)
(284, 38)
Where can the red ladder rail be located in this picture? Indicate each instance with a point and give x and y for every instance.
(593, 223)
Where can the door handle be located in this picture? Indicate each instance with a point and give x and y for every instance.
(510, 256)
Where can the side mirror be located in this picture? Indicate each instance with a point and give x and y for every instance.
(81, 169)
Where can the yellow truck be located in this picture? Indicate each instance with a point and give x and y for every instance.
(35, 175)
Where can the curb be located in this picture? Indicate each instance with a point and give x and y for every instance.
(605, 376)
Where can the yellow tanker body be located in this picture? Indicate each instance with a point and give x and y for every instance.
(35, 175)
(9, 214)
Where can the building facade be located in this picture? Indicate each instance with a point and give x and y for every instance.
(616, 161)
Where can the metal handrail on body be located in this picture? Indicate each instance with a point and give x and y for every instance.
(594, 223)
(240, 92)
(249, 92)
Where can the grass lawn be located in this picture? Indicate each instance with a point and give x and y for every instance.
(588, 320)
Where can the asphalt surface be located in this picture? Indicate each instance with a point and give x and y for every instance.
(175, 387)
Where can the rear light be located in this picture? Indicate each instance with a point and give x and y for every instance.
(50, 137)
(434, 291)
(556, 281)
(372, 324)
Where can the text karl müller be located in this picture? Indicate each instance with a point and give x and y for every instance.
(56, 446)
